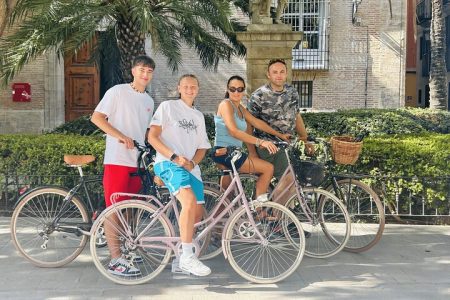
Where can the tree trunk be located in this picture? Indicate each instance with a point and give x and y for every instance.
(438, 69)
(4, 14)
(131, 43)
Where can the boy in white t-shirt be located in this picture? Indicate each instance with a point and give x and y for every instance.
(124, 114)
(178, 133)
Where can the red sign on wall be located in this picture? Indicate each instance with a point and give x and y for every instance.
(21, 92)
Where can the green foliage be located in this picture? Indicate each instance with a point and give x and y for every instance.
(204, 25)
(43, 154)
(376, 122)
(394, 160)
(81, 126)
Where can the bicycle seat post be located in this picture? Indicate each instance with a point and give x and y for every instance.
(80, 170)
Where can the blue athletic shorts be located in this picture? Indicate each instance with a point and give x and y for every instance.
(176, 177)
(225, 159)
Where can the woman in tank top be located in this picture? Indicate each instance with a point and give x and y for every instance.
(232, 122)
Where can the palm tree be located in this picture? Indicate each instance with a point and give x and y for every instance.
(4, 13)
(438, 71)
(66, 26)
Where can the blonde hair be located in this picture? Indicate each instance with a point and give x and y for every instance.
(188, 76)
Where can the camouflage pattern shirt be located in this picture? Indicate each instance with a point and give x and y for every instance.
(278, 109)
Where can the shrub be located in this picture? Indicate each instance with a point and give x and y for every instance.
(43, 154)
(81, 126)
(375, 122)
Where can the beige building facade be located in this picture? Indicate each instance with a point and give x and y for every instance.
(352, 55)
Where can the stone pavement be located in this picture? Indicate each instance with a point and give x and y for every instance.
(410, 262)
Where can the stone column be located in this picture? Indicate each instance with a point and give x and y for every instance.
(265, 42)
(54, 105)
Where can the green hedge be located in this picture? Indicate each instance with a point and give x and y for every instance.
(374, 122)
(43, 154)
(401, 142)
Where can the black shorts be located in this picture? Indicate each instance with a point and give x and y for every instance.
(225, 158)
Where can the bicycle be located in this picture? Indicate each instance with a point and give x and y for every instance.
(363, 204)
(323, 216)
(145, 172)
(50, 225)
(264, 242)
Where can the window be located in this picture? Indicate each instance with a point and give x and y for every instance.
(311, 18)
(425, 54)
(305, 89)
(419, 97)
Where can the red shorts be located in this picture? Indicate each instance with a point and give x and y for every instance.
(118, 179)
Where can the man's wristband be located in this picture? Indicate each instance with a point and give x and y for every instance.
(173, 157)
(193, 163)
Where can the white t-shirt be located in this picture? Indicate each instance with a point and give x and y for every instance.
(183, 130)
(130, 112)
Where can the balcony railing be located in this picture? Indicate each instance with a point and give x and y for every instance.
(423, 12)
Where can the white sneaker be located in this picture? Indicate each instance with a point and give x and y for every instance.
(123, 267)
(192, 265)
(262, 198)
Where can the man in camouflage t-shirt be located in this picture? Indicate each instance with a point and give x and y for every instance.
(276, 103)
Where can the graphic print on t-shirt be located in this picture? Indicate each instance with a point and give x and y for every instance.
(187, 125)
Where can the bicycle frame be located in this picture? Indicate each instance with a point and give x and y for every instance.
(290, 172)
(71, 193)
(211, 219)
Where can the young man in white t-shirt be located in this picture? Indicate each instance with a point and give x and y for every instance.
(124, 114)
(178, 133)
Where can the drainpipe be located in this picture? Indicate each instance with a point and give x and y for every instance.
(366, 88)
(357, 23)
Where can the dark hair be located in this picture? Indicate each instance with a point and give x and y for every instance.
(143, 60)
(274, 61)
(234, 77)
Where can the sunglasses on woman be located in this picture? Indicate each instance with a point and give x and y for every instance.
(234, 89)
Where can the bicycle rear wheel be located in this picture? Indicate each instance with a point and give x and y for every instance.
(35, 236)
(366, 213)
(127, 220)
(273, 258)
(325, 221)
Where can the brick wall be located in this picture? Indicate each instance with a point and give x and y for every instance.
(344, 84)
(24, 116)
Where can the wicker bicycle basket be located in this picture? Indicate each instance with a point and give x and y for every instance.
(345, 150)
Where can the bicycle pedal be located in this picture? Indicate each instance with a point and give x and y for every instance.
(176, 269)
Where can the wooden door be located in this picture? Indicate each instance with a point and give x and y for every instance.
(81, 85)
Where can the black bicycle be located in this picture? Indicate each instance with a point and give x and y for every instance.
(50, 225)
(362, 202)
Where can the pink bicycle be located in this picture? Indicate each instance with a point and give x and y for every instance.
(264, 242)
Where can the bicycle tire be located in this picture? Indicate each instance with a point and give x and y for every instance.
(31, 219)
(274, 258)
(328, 228)
(154, 260)
(366, 213)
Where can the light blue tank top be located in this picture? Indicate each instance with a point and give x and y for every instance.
(223, 138)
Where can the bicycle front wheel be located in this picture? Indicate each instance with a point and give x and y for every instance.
(36, 235)
(366, 214)
(325, 221)
(123, 223)
(271, 258)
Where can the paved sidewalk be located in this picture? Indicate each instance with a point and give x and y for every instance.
(410, 262)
